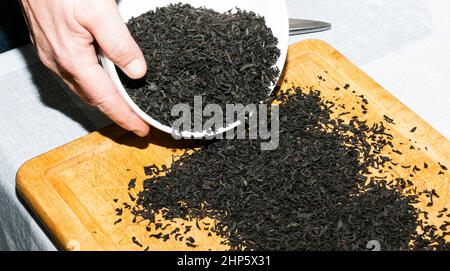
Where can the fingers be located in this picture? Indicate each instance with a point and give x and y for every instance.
(88, 79)
(107, 26)
(98, 90)
(65, 47)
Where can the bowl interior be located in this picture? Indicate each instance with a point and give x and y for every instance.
(275, 13)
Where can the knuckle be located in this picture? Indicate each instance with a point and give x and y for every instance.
(102, 103)
(56, 58)
(46, 61)
(121, 50)
(68, 64)
(64, 60)
(105, 106)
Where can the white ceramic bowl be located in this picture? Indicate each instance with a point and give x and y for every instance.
(275, 13)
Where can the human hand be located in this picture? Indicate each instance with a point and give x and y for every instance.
(64, 33)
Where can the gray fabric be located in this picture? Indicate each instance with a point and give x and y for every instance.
(367, 30)
(36, 115)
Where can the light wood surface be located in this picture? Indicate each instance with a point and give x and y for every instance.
(71, 189)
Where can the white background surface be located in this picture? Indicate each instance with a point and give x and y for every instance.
(403, 44)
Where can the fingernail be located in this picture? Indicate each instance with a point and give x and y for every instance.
(139, 133)
(136, 68)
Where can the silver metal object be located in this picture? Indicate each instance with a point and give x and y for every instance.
(300, 27)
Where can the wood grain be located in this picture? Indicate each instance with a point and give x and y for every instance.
(71, 189)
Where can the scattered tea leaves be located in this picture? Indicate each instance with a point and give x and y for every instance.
(312, 193)
(136, 242)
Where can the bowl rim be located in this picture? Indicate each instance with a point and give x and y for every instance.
(111, 70)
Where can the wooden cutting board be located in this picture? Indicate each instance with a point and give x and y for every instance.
(72, 188)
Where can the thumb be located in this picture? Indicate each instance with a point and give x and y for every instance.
(105, 23)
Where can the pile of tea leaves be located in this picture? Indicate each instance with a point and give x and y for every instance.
(199, 52)
(312, 193)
